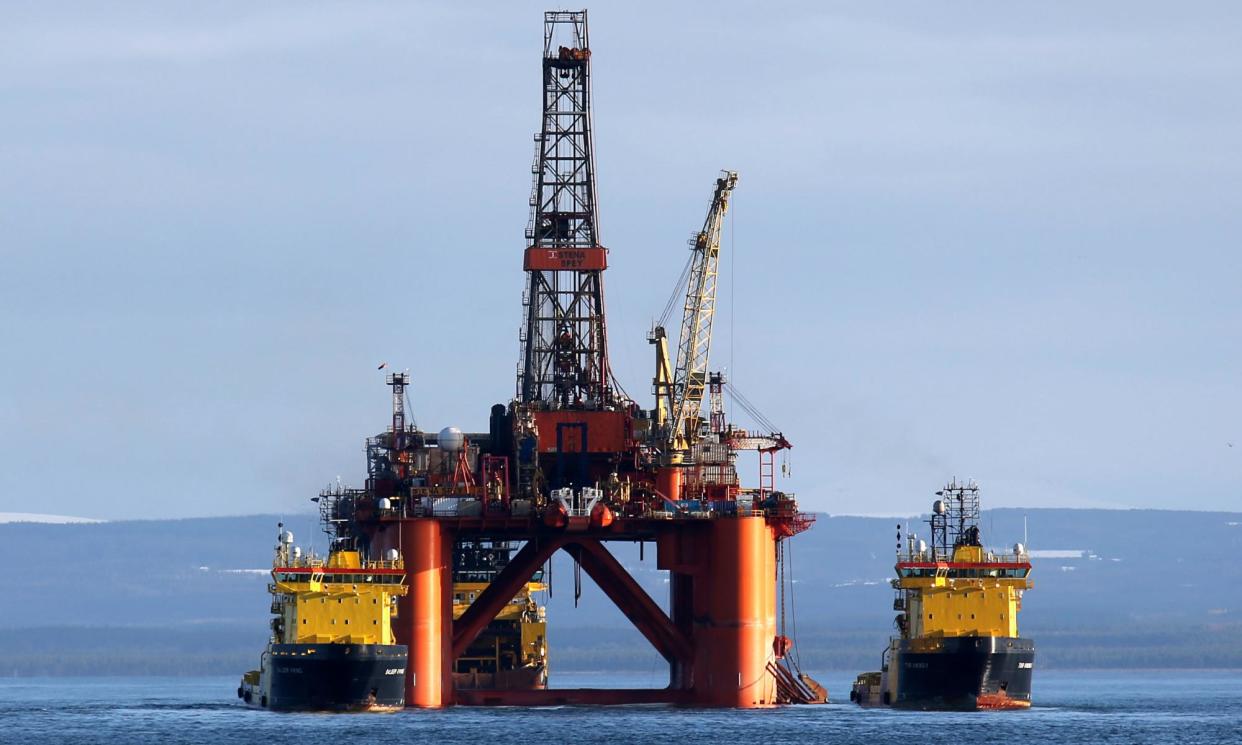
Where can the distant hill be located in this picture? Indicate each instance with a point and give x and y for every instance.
(1118, 588)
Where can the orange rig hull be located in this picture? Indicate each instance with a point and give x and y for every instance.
(718, 639)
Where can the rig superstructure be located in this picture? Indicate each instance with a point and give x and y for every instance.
(573, 463)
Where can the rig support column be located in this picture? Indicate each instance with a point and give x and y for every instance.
(425, 614)
(735, 618)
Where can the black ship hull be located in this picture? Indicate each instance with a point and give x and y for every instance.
(333, 677)
(964, 673)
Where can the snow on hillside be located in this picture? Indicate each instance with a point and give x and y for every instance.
(34, 517)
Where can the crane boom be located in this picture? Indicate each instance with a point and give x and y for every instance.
(693, 346)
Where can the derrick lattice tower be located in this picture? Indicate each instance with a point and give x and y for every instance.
(564, 344)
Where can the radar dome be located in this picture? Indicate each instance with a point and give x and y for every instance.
(938, 507)
(1019, 549)
(392, 554)
(286, 537)
(450, 439)
(384, 503)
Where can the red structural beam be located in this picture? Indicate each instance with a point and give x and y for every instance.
(501, 591)
(566, 259)
(631, 599)
(571, 697)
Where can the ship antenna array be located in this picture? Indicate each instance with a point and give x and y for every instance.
(955, 517)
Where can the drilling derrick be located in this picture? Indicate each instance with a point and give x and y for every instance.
(572, 464)
(573, 430)
(565, 351)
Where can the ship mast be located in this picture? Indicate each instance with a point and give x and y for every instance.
(955, 518)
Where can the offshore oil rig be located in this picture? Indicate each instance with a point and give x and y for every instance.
(572, 463)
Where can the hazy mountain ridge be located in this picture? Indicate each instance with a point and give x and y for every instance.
(1150, 588)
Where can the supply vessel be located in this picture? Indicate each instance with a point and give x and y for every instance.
(332, 646)
(512, 652)
(958, 645)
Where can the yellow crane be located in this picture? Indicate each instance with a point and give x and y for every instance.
(679, 388)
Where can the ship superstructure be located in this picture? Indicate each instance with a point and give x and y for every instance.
(332, 645)
(958, 645)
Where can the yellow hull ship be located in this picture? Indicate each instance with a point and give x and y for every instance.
(958, 646)
(332, 645)
(512, 653)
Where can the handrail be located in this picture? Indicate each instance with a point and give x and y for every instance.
(312, 563)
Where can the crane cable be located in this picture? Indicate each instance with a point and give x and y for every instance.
(678, 292)
(793, 611)
(784, 558)
(750, 408)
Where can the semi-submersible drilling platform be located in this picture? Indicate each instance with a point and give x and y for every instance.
(572, 463)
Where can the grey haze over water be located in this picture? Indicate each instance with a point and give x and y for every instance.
(970, 239)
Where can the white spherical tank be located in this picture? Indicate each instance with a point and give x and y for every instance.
(392, 554)
(450, 439)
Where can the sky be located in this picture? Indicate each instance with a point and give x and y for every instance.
(978, 240)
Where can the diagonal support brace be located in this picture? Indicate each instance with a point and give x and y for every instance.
(631, 599)
(501, 591)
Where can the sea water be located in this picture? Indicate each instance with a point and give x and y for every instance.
(1070, 707)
